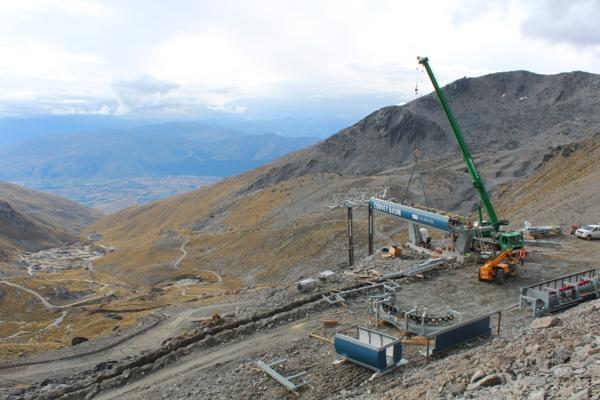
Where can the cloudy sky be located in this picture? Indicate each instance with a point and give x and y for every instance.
(271, 58)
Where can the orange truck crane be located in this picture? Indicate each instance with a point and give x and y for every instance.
(497, 269)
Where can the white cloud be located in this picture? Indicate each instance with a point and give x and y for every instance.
(103, 110)
(565, 21)
(191, 57)
(144, 92)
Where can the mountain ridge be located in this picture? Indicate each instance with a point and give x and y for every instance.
(176, 148)
(520, 108)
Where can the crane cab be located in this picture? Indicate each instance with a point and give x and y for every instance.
(510, 240)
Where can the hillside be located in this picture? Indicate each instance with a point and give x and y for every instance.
(563, 189)
(240, 244)
(272, 223)
(31, 220)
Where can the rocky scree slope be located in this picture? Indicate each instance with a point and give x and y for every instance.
(556, 357)
(563, 189)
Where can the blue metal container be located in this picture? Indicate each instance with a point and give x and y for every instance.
(371, 349)
(361, 353)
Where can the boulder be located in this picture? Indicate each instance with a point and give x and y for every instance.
(537, 395)
(456, 389)
(562, 372)
(477, 376)
(545, 322)
(489, 380)
(78, 340)
(581, 395)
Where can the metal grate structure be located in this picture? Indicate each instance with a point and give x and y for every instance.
(356, 197)
(292, 383)
(556, 294)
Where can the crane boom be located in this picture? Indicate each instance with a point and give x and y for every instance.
(475, 177)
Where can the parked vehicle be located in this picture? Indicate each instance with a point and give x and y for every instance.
(588, 232)
(574, 228)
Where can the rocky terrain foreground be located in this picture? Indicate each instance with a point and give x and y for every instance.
(554, 357)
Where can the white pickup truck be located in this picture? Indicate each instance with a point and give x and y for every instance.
(588, 232)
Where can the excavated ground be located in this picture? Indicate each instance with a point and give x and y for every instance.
(223, 365)
(230, 372)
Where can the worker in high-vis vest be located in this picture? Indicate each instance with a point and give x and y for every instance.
(522, 255)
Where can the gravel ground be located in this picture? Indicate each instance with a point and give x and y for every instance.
(239, 377)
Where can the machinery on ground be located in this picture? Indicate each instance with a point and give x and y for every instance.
(560, 293)
(501, 266)
(499, 240)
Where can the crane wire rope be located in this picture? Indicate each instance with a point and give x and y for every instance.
(416, 152)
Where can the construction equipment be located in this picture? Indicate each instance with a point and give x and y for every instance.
(502, 240)
(557, 294)
(496, 270)
(540, 231)
(417, 217)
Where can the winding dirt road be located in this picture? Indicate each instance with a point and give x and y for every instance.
(51, 306)
(41, 298)
(183, 253)
(148, 340)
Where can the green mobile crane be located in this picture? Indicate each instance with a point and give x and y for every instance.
(503, 240)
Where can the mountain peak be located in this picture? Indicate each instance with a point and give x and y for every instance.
(496, 112)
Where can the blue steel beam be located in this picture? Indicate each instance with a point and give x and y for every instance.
(412, 214)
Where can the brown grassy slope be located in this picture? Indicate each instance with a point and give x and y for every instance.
(284, 230)
(31, 220)
(271, 234)
(19, 232)
(48, 209)
(565, 189)
(148, 237)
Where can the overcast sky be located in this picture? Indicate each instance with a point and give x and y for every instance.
(193, 58)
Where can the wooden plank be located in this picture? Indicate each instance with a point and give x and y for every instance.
(416, 340)
(321, 338)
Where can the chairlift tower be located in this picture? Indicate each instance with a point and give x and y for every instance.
(356, 198)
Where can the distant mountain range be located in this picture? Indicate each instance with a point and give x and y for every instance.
(170, 149)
